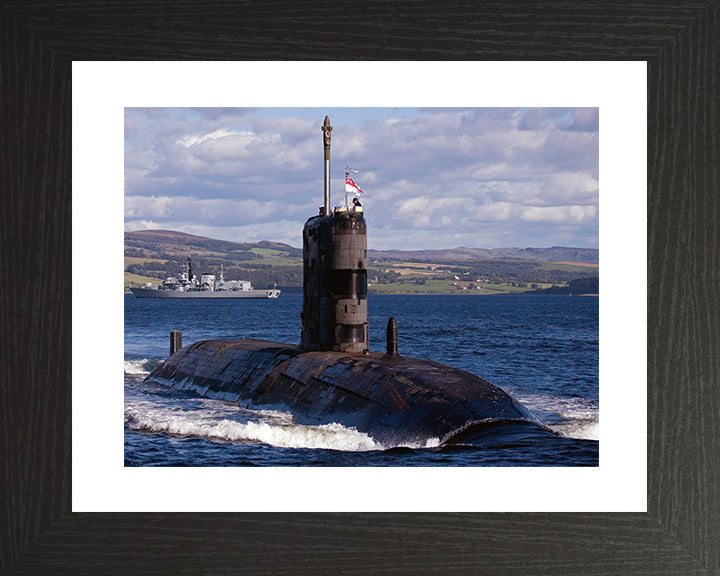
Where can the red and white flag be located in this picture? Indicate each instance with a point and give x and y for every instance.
(350, 186)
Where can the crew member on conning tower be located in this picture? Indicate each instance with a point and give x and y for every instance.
(334, 313)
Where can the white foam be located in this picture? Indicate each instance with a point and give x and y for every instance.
(143, 366)
(172, 420)
(589, 430)
(570, 417)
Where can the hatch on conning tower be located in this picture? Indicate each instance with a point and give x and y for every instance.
(334, 315)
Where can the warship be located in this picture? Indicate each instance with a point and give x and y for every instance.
(187, 285)
(332, 376)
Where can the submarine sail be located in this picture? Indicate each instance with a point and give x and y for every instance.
(332, 376)
(334, 315)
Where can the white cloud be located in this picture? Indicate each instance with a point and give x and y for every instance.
(152, 207)
(567, 214)
(131, 225)
(585, 119)
(493, 211)
(192, 140)
(436, 169)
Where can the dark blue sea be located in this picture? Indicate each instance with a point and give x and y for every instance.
(541, 349)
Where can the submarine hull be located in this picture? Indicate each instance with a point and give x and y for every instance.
(394, 399)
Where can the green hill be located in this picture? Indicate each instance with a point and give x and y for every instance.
(158, 254)
(153, 255)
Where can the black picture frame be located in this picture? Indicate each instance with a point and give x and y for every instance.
(680, 533)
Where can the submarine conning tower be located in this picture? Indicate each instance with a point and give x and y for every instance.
(334, 316)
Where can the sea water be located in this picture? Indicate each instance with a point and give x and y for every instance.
(542, 349)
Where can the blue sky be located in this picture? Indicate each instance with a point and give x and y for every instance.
(433, 178)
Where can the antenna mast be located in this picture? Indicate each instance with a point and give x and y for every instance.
(326, 129)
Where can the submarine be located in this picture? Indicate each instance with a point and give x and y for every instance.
(332, 376)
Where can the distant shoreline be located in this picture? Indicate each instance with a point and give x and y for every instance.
(459, 293)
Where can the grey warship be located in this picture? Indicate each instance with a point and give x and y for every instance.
(332, 376)
(187, 285)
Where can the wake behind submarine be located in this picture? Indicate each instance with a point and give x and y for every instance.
(332, 376)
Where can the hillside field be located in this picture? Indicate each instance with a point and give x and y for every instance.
(153, 255)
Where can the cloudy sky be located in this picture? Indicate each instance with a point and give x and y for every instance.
(433, 178)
